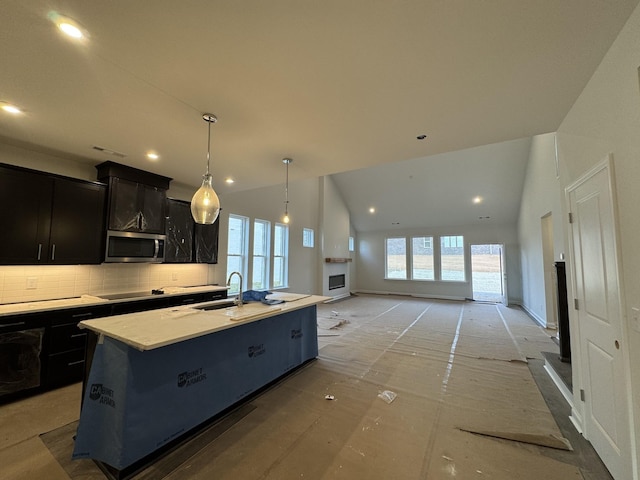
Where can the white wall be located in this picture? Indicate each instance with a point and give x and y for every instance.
(371, 262)
(268, 204)
(335, 228)
(606, 120)
(541, 196)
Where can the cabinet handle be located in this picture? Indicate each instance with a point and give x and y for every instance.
(53, 252)
(76, 335)
(16, 324)
(82, 315)
(71, 364)
(39, 251)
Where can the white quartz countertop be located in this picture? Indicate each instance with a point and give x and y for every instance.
(84, 300)
(158, 328)
(11, 308)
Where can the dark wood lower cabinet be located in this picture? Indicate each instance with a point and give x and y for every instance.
(46, 349)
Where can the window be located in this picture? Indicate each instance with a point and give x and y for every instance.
(452, 258)
(260, 272)
(396, 258)
(422, 258)
(237, 246)
(280, 256)
(307, 237)
(351, 244)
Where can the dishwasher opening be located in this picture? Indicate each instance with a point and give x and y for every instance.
(20, 364)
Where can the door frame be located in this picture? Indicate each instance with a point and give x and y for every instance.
(503, 271)
(578, 341)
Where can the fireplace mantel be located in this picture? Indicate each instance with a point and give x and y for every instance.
(337, 260)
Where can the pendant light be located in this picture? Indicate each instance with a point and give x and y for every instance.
(205, 204)
(285, 219)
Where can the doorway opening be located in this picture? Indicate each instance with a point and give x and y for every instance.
(487, 275)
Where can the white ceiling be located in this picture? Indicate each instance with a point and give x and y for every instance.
(337, 85)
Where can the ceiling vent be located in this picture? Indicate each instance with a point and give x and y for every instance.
(109, 151)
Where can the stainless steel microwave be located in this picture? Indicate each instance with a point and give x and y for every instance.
(134, 247)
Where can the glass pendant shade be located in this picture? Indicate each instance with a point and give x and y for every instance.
(205, 204)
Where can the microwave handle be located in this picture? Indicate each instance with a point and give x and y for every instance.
(155, 254)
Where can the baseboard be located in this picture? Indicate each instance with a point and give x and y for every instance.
(409, 294)
(338, 297)
(564, 390)
(576, 419)
(541, 321)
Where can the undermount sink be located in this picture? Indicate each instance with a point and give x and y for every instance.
(216, 305)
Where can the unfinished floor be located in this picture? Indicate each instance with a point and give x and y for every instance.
(403, 388)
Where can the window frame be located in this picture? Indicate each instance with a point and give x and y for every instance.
(308, 237)
(413, 256)
(459, 243)
(263, 256)
(243, 254)
(386, 259)
(280, 255)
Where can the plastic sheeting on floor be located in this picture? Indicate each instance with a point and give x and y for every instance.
(452, 367)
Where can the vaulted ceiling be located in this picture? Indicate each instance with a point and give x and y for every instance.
(337, 85)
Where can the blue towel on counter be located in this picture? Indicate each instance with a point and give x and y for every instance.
(259, 296)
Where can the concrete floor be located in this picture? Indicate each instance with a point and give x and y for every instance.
(23, 455)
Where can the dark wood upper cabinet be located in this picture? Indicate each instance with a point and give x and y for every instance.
(179, 231)
(49, 219)
(206, 242)
(137, 199)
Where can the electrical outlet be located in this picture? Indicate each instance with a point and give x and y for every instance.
(635, 318)
(32, 283)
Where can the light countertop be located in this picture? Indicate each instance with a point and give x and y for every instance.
(157, 328)
(86, 300)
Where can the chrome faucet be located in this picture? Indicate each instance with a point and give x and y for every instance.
(238, 300)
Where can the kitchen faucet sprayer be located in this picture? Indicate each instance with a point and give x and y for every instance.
(238, 300)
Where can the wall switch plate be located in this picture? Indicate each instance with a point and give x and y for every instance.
(32, 283)
(635, 318)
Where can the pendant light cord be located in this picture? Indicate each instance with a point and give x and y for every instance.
(208, 146)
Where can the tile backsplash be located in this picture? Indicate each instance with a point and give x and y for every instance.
(47, 282)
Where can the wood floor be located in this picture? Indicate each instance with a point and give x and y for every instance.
(403, 388)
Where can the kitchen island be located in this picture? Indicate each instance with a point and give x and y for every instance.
(157, 376)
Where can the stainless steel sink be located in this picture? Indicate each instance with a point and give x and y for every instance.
(216, 305)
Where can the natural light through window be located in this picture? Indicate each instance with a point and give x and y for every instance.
(281, 256)
(422, 258)
(452, 258)
(396, 258)
(237, 246)
(307, 237)
(260, 274)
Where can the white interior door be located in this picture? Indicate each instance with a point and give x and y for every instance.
(595, 271)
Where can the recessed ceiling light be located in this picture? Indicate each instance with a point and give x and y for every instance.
(477, 199)
(229, 181)
(152, 156)
(68, 26)
(7, 107)
(70, 30)
(372, 210)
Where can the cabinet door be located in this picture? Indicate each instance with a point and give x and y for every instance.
(179, 231)
(206, 242)
(124, 206)
(77, 223)
(154, 200)
(25, 216)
